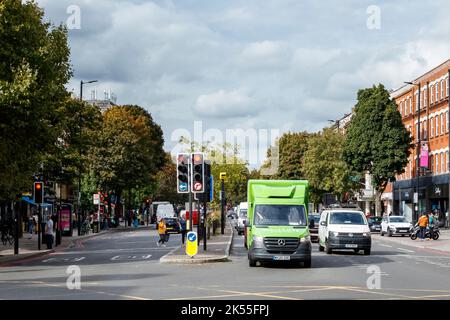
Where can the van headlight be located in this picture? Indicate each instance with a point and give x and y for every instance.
(366, 234)
(305, 239)
(336, 234)
(258, 242)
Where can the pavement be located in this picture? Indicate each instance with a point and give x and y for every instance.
(28, 247)
(218, 250)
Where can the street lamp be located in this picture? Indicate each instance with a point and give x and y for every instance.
(79, 149)
(416, 208)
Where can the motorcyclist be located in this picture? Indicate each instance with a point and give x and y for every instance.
(431, 222)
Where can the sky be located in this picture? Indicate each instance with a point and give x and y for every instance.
(265, 67)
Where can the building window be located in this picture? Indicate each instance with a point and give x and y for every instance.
(443, 162)
(432, 128)
(442, 124)
(442, 89)
(448, 88)
(437, 125)
(436, 91)
(431, 94)
(425, 97)
(416, 99)
(410, 105)
(446, 121)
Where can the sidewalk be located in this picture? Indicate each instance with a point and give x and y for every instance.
(442, 244)
(218, 250)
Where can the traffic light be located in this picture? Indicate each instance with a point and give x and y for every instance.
(206, 196)
(38, 192)
(183, 173)
(198, 173)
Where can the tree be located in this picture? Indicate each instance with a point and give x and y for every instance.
(129, 151)
(166, 183)
(377, 141)
(34, 68)
(324, 166)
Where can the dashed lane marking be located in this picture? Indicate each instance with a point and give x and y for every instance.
(405, 250)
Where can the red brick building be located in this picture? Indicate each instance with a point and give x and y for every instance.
(433, 119)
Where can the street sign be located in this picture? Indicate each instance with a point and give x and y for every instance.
(192, 244)
(416, 197)
(96, 198)
(223, 176)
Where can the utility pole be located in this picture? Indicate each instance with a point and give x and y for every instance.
(222, 201)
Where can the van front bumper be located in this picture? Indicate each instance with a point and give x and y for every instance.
(301, 254)
(346, 242)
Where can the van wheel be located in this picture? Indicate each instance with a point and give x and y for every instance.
(251, 262)
(328, 248)
(367, 252)
(389, 233)
(321, 248)
(307, 263)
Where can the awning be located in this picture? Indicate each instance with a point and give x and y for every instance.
(30, 201)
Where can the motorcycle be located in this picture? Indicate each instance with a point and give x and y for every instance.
(429, 233)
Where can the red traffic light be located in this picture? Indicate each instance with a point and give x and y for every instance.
(38, 186)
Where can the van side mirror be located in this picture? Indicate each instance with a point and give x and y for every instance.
(323, 223)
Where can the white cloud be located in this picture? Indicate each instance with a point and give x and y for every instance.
(228, 104)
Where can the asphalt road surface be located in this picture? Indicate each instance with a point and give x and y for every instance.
(125, 265)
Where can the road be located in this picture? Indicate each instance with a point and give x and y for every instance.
(125, 265)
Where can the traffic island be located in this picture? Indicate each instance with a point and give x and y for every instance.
(218, 250)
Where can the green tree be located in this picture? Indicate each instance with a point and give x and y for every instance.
(166, 183)
(324, 166)
(377, 141)
(129, 151)
(34, 68)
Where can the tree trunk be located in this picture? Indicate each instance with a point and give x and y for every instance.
(378, 203)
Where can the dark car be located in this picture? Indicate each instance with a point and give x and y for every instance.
(172, 225)
(375, 224)
(314, 226)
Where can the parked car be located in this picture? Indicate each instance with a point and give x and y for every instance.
(314, 219)
(395, 225)
(242, 217)
(172, 225)
(344, 228)
(375, 224)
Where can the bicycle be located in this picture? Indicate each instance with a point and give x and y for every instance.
(8, 235)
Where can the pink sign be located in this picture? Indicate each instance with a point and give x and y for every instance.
(65, 219)
(424, 156)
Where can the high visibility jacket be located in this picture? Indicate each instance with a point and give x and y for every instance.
(423, 221)
(162, 228)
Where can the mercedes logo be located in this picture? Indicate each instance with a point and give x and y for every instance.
(281, 242)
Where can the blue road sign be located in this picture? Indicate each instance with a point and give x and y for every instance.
(192, 237)
(211, 195)
(183, 187)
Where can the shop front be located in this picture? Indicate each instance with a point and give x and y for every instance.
(438, 200)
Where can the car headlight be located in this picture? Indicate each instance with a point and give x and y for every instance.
(335, 234)
(366, 234)
(258, 242)
(305, 239)
(392, 227)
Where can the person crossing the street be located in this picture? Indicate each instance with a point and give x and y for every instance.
(162, 230)
(183, 229)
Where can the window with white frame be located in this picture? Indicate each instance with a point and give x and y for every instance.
(425, 97)
(442, 123)
(431, 127)
(436, 91)
(410, 105)
(437, 125)
(442, 89)
(431, 94)
(437, 163)
(446, 121)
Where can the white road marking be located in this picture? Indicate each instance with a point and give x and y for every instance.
(405, 250)
(385, 245)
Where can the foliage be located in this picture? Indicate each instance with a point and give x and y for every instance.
(34, 68)
(377, 141)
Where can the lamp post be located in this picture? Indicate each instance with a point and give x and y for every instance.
(416, 208)
(79, 150)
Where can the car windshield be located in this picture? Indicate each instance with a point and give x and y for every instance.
(397, 219)
(243, 213)
(280, 215)
(375, 219)
(347, 218)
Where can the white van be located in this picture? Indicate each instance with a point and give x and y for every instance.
(242, 216)
(164, 211)
(344, 228)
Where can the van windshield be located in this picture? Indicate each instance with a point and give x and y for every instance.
(347, 218)
(280, 215)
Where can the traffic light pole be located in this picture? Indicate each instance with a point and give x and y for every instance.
(222, 200)
(204, 223)
(40, 227)
(191, 228)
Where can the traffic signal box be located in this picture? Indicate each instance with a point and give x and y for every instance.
(206, 196)
(198, 173)
(183, 185)
(38, 192)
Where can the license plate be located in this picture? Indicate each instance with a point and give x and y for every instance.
(403, 230)
(281, 258)
(351, 246)
(169, 228)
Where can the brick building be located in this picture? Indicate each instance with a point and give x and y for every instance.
(432, 146)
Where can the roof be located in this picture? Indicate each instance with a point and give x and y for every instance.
(280, 189)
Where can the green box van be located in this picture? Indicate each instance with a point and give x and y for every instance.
(277, 221)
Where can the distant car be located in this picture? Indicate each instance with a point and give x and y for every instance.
(314, 219)
(375, 224)
(172, 225)
(395, 225)
(242, 217)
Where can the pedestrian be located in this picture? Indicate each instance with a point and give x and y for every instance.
(162, 229)
(183, 228)
(49, 236)
(423, 223)
(431, 223)
(31, 226)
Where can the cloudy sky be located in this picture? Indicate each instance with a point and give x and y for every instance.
(275, 64)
